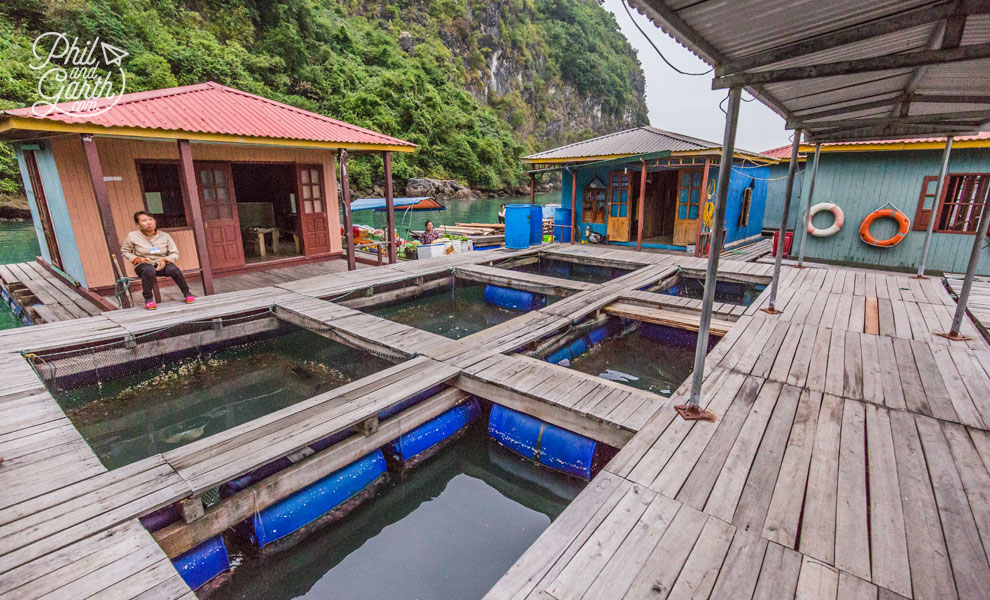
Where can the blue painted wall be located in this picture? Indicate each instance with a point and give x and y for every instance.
(61, 224)
(777, 188)
(861, 182)
(742, 176)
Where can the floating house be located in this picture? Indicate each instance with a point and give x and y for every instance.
(241, 182)
(864, 176)
(648, 188)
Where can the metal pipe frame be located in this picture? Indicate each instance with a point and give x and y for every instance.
(933, 215)
(807, 205)
(779, 254)
(974, 260)
(722, 190)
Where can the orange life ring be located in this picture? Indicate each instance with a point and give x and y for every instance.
(903, 224)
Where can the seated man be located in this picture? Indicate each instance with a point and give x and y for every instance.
(153, 253)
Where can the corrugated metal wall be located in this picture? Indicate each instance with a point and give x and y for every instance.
(861, 182)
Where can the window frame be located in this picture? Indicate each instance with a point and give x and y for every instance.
(973, 185)
(745, 205)
(690, 187)
(138, 164)
(594, 202)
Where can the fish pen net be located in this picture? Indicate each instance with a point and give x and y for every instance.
(68, 368)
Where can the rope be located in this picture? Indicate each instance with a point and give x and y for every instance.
(120, 287)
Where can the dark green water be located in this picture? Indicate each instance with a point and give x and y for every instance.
(447, 530)
(482, 210)
(132, 417)
(640, 362)
(18, 243)
(453, 313)
(730, 292)
(570, 270)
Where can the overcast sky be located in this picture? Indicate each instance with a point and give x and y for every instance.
(687, 104)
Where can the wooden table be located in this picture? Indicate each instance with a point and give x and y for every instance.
(261, 232)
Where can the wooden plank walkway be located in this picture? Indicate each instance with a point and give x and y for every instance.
(978, 306)
(851, 456)
(43, 296)
(851, 459)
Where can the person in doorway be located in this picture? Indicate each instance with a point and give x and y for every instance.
(153, 254)
(501, 214)
(430, 235)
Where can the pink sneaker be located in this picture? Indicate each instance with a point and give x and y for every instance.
(151, 305)
(190, 299)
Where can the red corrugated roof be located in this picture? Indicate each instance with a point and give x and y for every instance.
(784, 152)
(217, 109)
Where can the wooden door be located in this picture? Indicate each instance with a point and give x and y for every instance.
(619, 207)
(223, 229)
(313, 220)
(688, 207)
(41, 202)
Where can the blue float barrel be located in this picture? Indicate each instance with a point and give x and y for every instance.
(535, 225)
(562, 225)
(514, 299)
(517, 232)
(317, 499)
(202, 563)
(547, 444)
(435, 430)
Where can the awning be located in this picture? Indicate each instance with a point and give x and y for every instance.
(625, 160)
(412, 203)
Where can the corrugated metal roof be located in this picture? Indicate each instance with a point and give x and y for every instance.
(638, 140)
(784, 152)
(733, 35)
(216, 109)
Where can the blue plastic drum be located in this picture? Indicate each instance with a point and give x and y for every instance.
(517, 228)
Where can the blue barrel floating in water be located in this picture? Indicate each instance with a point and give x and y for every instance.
(203, 563)
(517, 232)
(435, 430)
(547, 444)
(514, 299)
(562, 225)
(535, 225)
(317, 499)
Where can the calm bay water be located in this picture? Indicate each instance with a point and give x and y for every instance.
(482, 210)
(18, 243)
(447, 530)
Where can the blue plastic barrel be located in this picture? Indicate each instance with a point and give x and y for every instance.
(202, 563)
(547, 444)
(535, 225)
(514, 299)
(435, 430)
(317, 499)
(517, 229)
(562, 225)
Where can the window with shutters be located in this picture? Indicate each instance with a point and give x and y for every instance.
(747, 200)
(593, 206)
(961, 204)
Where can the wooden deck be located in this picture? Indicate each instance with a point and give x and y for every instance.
(43, 297)
(850, 458)
(978, 306)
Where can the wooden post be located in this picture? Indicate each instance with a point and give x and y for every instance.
(532, 188)
(194, 212)
(390, 209)
(702, 201)
(573, 205)
(345, 190)
(641, 209)
(103, 205)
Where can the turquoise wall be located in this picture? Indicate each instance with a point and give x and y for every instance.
(742, 176)
(61, 224)
(861, 182)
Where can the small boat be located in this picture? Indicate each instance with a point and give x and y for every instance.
(410, 203)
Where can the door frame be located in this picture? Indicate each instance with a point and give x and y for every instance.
(41, 203)
(225, 164)
(628, 205)
(301, 205)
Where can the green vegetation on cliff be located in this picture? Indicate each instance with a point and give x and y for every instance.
(475, 84)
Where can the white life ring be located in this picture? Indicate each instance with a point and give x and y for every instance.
(836, 226)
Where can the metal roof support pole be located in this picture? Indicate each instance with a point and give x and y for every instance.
(788, 193)
(807, 206)
(692, 410)
(390, 209)
(933, 215)
(642, 207)
(532, 188)
(974, 260)
(573, 205)
(345, 190)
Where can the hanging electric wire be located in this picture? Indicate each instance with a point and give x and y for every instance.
(664, 58)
